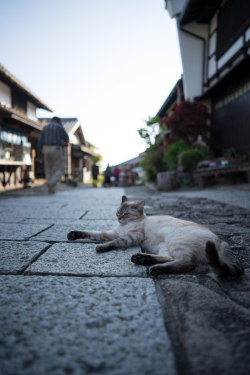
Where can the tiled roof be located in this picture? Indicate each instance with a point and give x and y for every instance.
(12, 80)
(170, 99)
(69, 123)
(135, 160)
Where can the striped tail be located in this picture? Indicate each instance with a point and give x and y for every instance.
(223, 267)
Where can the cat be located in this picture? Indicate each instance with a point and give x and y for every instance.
(172, 245)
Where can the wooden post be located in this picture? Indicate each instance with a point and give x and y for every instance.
(69, 167)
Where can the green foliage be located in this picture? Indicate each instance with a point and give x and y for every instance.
(152, 120)
(145, 134)
(97, 158)
(150, 133)
(190, 159)
(152, 162)
(233, 156)
(170, 157)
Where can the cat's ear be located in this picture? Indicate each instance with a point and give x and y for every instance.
(124, 198)
(140, 206)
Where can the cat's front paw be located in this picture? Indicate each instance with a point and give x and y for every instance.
(73, 235)
(138, 259)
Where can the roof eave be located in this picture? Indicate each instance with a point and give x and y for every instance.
(18, 116)
(166, 103)
(16, 83)
(200, 11)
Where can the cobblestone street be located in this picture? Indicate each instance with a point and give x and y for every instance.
(65, 309)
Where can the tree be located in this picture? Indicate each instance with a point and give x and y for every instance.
(188, 120)
(152, 161)
(151, 131)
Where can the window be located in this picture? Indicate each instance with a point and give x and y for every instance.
(233, 19)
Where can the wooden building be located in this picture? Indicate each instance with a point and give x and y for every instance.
(78, 153)
(19, 131)
(130, 171)
(214, 37)
(174, 98)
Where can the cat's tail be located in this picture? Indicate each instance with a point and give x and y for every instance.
(222, 265)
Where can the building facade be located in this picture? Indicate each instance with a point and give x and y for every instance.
(78, 152)
(214, 38)
(174, 98)
(19, 131)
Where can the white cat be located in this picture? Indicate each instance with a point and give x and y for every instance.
(172, 245)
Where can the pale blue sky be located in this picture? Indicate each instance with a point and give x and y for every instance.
(111, 63)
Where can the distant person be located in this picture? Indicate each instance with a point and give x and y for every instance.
(116, 173)
(107, 176)
(52, 139)
(95, 174)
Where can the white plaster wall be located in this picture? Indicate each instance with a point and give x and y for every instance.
(230, 52)
(5, 94)
(247, 35)
(192, 62)
(211, 66)
(86, 175)
(74, 140)
(31, 110)
(212, 43)
(198, 29)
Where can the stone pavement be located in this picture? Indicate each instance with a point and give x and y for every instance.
(64, 309)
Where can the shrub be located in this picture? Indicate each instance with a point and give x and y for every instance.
(152, 162)
(170, 157)
(190, 159)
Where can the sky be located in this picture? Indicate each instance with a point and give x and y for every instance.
(110, 63)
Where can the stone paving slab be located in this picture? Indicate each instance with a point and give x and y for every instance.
(61, 325)
(240, 244)
(59, 232)
(15, 256)
(109, 213)
(238, 290)
(57, 221)
(10, 219)
(20, 231)
(83, 260)
(43, 212)
(65, 221)
(211, 332)
(28, 202)
(231, 195)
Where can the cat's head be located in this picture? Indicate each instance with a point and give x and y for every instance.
(129, 211)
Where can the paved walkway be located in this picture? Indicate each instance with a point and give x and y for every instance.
(64, 309)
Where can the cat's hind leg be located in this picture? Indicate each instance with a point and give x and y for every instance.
(76, 234)
(222, 265)
(176, 266)
(149, 259)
